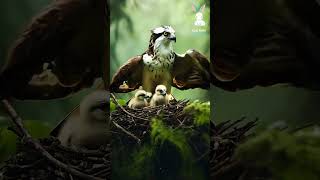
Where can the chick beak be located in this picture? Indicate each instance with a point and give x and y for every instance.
(163, 92)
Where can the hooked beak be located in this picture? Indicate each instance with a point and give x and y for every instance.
(163, 93)
(173, 38)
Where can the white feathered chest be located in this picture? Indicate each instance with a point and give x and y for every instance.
(159, 63)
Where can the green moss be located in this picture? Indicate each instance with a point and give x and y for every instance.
(161, 134)
(200, 111)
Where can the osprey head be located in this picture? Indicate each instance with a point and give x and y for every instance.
(166, 33)
(161, 90)
(162, 36)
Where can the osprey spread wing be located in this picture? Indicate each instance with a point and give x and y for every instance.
(161, 65)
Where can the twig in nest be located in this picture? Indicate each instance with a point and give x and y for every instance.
(127, 132)
(26, 137)
(115, 100)
(224, 139)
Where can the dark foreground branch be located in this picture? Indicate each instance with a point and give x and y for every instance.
(26, 138)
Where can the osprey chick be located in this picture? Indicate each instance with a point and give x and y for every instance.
(160, 96)
(148, 98)
(87, 126)
(138, 101)
(159, 64)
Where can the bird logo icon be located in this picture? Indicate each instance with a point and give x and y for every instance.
(199, 10)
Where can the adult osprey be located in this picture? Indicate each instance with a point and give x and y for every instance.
(161, 65)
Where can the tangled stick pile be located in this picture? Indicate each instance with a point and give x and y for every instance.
(161, 142)
(29, 164)
(131, 126)
(225, 137)
(134, 124)
(47, 159)
(128, 125)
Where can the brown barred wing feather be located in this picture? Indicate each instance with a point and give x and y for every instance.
(128, 77)
(191, 70)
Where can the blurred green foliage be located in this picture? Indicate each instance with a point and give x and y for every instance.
(7, 144)
(288, 156)
(121, 102)
(8, 139)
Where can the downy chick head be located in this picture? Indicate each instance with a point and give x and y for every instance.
(140, 95)
(160, 96)
(96, 107)
(89, 126)
(148, 97)
(139, 100)
(161, 90)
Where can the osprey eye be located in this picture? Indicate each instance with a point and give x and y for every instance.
(165, 33)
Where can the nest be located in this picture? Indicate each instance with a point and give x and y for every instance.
(134, 124)
(133, 128)
(225, 137)
(28, 163)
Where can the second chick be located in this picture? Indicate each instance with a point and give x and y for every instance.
(138, 101)
(160, 97)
